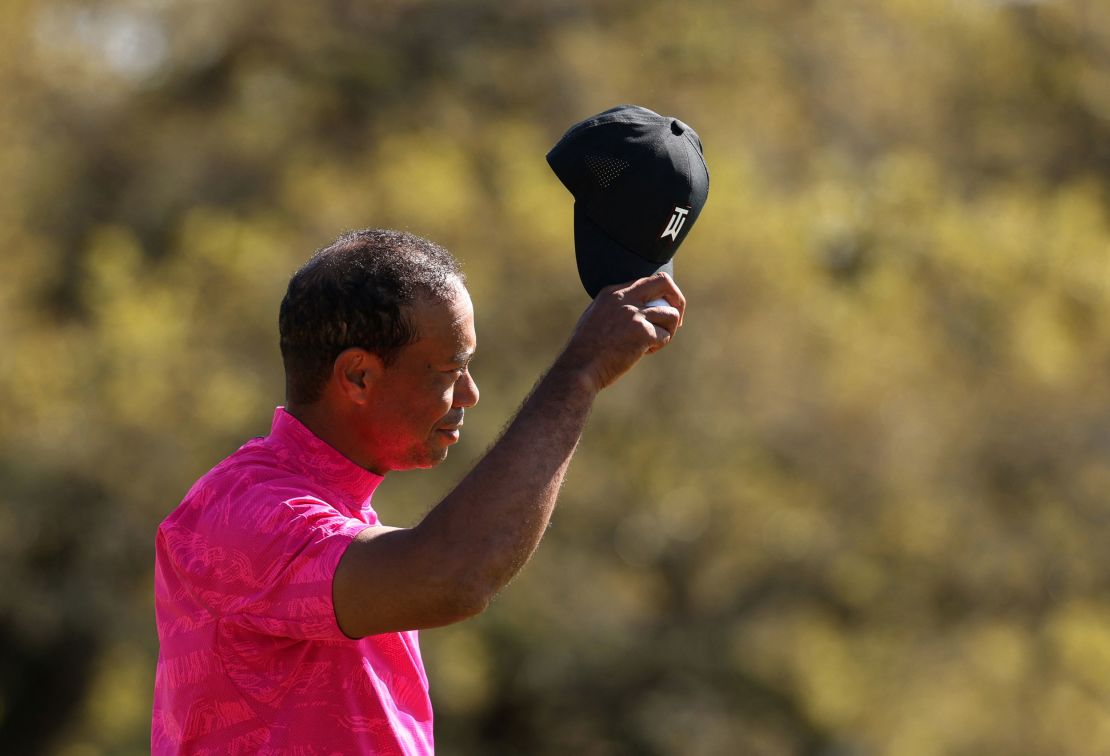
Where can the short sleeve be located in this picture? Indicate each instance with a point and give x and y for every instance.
(268, 566)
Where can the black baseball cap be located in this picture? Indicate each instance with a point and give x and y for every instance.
(639, 182)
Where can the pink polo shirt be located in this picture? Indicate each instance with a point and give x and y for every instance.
(252, 660)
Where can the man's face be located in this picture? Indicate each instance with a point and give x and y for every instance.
(417, 405)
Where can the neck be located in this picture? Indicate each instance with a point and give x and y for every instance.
(337, 432)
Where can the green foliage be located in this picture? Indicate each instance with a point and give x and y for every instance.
(858, 507)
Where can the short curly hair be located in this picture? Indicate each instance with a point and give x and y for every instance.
(355, 293)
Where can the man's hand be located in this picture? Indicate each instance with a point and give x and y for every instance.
(618, 329)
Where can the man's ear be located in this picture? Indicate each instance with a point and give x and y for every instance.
(356, 372)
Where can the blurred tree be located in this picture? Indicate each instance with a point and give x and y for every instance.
(857, 508)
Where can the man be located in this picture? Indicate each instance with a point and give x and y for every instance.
(287, 613)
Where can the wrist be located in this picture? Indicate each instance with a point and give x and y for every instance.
(574, 379)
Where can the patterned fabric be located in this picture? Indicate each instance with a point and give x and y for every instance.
(252, 660)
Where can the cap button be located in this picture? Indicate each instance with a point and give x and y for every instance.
(678, 127)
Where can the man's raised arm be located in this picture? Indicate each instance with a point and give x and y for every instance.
(471, 544)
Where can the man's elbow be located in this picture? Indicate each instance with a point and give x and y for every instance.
(434, 609)
(467, 599)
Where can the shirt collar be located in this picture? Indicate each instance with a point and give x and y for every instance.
(304, 452)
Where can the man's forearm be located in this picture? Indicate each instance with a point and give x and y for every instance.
(488, 526)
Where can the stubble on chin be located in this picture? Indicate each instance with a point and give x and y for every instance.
(426, 458)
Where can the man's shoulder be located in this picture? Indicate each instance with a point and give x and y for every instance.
(242, 485)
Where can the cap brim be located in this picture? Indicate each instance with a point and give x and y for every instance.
(602, 261)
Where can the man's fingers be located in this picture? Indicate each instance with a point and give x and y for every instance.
(663, 315)
(655, 287)
(666, 318)
(663, 337)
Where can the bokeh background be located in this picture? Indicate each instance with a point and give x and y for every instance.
(860, 507)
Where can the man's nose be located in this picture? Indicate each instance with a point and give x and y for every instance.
(466, 391)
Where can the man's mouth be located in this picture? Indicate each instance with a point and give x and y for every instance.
(454, 424)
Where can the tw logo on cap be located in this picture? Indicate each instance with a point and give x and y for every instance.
(678, 219)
